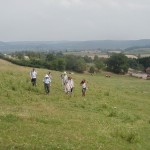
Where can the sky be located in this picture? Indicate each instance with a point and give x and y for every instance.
(74, 20)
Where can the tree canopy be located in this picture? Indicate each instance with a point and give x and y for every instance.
(118, 63)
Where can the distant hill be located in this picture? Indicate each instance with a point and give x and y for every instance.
(72, 45)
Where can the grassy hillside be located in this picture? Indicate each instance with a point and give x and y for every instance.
(114, 115)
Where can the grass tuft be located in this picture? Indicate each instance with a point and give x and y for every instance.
(113, 113)
(10, 118)
(106, 93)
(131, 136)
(14, 88)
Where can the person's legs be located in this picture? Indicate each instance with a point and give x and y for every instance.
(65, 88)
(71, 90)
(83, 91)
(33, 80)
(47, 88)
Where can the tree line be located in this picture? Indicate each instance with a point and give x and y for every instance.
(116, 63)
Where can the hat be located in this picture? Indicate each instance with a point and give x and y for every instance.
(46, 76)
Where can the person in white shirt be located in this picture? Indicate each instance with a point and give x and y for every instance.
(33, 75)
(71, 84)
(67, 87)
(65, 81)
(84, 87)
(47, 82)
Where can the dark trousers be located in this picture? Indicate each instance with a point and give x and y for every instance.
(83, 91)
(33, 80)
(71, 90)
(47, 88)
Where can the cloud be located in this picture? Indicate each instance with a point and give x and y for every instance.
(74, 19)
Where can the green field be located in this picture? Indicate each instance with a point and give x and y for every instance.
(142, 52)
(137, 51)
(114, 115)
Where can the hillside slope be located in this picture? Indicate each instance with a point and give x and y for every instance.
(113, 115)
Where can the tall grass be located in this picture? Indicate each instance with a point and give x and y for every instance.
(114, 114)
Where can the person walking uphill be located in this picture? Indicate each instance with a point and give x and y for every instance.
(33, 75)
(65, 81)
(84, 87)
(71, 84)
(47, 82)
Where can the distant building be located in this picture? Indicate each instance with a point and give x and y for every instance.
(7, 56)
(103, 56)
(26, 57)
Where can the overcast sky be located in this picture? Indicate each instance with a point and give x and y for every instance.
(52, 20)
